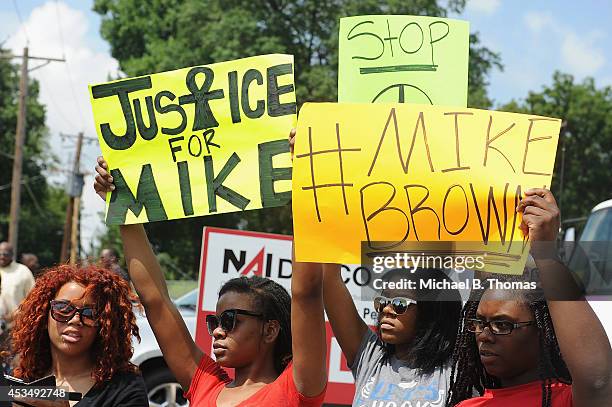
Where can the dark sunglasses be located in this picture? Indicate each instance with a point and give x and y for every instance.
(227, 319)
(398, 304)
(498, 327)
(64, 311)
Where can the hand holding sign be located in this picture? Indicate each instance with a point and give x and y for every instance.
(103, 182)
(540, 215)
(292, 134)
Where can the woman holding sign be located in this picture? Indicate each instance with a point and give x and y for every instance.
(275, 343)
(524, 350)
(409, 355)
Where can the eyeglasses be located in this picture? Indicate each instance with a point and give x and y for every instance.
(64, 311)
(227, 319)
(498, 327)
(6, 254)
(398, 304)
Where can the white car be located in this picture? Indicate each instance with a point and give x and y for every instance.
(162, 388)
(598, 233)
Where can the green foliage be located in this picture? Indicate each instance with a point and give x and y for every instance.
(586, 138)
(42, 206)
(161, 35)
(482, 61)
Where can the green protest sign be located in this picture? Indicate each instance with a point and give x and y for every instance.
(411, 59)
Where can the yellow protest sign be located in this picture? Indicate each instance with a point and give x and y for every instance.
(197, 141)
(412, 59)
(388, 174)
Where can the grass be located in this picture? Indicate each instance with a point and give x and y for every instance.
(177, 288)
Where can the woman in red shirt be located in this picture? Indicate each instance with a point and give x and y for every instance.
(511, 341)
(276, 344)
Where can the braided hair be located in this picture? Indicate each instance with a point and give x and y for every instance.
(274, 302)
(468, 373)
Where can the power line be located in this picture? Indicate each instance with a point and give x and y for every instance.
(87, 140)
(48, 167)
(34, 199)
(59, 25)
(49, 93)
(25, 31)
(67, 65)
(23, 182)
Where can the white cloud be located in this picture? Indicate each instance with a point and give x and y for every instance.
(537, 21)
(579, 53)
(483, 6)
(64, 88)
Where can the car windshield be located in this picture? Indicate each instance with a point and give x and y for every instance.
(598, 227)
(188, 300)
(596, 244)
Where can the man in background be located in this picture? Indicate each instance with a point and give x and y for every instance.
(110, 260)
(17, 279)
(30, 260)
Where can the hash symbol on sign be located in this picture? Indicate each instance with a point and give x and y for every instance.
(314, 185)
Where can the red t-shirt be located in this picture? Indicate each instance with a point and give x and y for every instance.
(525, 395)
(210, 378)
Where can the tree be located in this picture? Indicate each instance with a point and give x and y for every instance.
(160, 35)
(42, 206)
(584, 155)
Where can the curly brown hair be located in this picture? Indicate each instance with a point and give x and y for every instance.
(112, 348)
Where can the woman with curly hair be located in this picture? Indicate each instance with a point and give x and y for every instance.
(77, 324)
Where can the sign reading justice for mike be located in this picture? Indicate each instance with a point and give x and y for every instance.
(197, 141)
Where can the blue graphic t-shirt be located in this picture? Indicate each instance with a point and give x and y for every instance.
(388, 382)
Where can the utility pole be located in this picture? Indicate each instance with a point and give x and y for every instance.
(20, 136)
(74, 244)
(67, 231)
(72, 210)
(18, 157)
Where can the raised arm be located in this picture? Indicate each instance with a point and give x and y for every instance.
(180, 351)
(348, 327)
(582, 339)
(343, 316)
(308, 329)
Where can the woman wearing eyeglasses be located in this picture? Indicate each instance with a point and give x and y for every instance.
(517, 349)
(77, 324)
(276, 344)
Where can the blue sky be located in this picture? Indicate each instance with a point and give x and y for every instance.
(534, 38)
